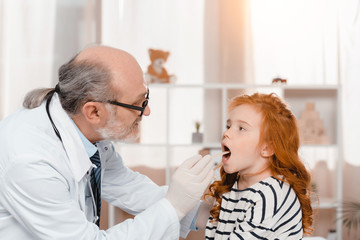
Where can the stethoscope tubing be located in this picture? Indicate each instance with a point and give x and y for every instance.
(94, 198)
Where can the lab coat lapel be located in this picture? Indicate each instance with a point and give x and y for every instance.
(75, 150)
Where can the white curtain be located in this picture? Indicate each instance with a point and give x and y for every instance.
(296, 40)
(26, 50)
(349, 34)
(349, 25)
(36, 37)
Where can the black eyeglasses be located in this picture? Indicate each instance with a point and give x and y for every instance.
(141, 109)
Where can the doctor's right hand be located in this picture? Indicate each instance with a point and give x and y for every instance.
(189, 182)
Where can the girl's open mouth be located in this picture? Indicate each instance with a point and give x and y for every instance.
(227, 155)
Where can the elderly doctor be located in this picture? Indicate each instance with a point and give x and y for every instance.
(57, 163)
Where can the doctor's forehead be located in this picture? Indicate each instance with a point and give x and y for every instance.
(115, 60)
(104, 54)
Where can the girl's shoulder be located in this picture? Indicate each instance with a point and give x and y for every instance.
(263, 185)
(273, 186)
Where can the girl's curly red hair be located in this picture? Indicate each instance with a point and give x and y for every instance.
(279, 128)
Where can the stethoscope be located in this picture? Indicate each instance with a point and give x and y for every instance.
(94, 198)
(50, 118)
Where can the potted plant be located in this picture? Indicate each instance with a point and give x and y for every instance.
(351, 216)
(197, 137)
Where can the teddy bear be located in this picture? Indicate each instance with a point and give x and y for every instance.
(156, 73)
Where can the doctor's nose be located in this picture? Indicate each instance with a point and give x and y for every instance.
(147, 111)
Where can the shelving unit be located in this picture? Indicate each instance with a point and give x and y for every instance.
(174, 146)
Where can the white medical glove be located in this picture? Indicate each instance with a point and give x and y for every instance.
(189, 182)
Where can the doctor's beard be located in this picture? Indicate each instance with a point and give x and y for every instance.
(117, 131)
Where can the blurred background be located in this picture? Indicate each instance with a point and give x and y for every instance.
(213, 45)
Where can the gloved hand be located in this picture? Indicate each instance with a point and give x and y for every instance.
(189, 182)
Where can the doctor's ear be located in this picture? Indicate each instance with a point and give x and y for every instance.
(94, 112)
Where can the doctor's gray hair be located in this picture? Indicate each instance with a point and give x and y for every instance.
(79, 82)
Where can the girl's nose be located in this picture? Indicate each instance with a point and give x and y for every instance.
(226, 134)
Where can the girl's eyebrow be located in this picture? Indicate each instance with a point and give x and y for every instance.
(239, 121)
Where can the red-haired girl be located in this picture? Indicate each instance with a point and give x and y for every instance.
(264, 191)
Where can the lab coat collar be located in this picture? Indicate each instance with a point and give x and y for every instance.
(89, 147)
(75, 150)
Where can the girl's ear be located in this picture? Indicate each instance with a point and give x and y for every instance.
(267, 150)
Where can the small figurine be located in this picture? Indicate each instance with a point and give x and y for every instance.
(311, 127)
(156, 72)
(279, 81)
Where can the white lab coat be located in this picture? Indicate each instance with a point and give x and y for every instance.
(43, 185)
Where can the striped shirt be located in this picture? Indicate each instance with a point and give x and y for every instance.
(268, 209)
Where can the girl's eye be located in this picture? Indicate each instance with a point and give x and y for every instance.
(242, 129)
(227, 126)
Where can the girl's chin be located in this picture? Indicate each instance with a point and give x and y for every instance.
(229, 170)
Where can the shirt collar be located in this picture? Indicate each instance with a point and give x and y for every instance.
(89, 147)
